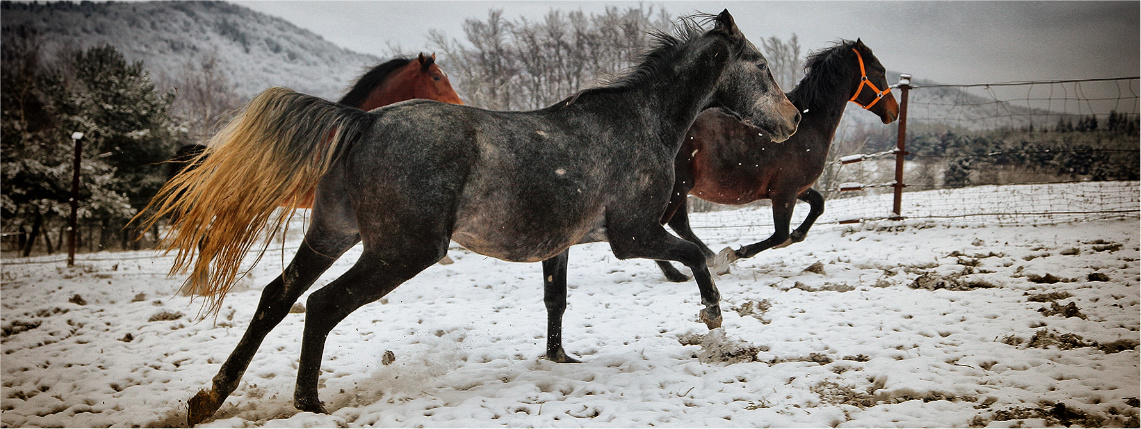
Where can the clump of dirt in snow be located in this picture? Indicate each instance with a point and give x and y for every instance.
(1048, 297)
(1046, 279)
(817, 268)
(1044, 338)
(1097, 277)
(756, 309)
(1068, 310)
(165, 315)
(932, 281)
(715, 347)
(831, 392)
(1056, 415)
(18, 326)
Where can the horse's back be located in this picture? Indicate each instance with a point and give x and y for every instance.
(512, 185)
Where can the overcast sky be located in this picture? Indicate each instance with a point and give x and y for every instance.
(957, 42)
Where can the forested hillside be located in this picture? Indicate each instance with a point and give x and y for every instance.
(254, 51)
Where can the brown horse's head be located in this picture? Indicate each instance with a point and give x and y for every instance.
(401, 79)
(431, 83)
(870, 88)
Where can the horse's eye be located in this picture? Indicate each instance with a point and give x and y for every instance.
(435, 78)
(762, 66)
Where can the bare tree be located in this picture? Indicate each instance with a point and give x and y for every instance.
(530, 64)
(784, 60)
(206, 99)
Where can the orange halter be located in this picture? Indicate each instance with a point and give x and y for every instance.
(864, 81)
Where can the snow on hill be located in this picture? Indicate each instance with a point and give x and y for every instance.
(257, 51)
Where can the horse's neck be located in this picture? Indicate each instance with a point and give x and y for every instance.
(821, 114)
(679, 100)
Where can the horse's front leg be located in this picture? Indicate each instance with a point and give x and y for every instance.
(555, 298)
(651, 241)
(782, 215)
(816, 208)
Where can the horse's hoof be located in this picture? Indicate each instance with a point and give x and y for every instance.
(561, 356)
(712, 317)
(310, 405)
(446, 261)
(720, 263)
(202, 406)
(786, 243)
(796, 237)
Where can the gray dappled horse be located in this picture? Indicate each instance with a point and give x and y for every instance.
(404, 179)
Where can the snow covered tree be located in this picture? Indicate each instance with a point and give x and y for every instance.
(126, 128)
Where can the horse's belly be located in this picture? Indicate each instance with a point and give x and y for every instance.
(509, 247)
(733, 189)
(510, 237)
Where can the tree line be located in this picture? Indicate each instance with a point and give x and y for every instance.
(1066, 152)
(521, 64)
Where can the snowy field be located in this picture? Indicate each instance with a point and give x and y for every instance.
(915, 324)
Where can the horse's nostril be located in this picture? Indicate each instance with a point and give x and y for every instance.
(797, 118)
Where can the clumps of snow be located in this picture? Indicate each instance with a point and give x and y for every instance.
(716, 348)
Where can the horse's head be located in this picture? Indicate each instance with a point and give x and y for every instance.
(747, 87)
(869, 87)
(432, 83)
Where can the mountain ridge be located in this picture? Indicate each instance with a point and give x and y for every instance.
(256, 51)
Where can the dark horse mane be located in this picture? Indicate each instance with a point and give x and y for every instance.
(369, 81)
(824, 70)
(666, 49)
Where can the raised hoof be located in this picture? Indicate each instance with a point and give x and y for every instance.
(202, 406)
(720, 263)
(712, 317)
(797, 236)
(312, 406)
(561, 357)
(786, 243)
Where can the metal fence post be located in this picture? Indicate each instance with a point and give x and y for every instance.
(900, 151)
(73, 220)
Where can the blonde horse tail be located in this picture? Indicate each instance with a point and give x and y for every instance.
(271, 155)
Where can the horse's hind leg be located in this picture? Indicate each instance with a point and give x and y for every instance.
(375, 274)
(555, 298)
(314, 257)
(816, 208)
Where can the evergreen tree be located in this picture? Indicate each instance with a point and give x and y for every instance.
(126, 128)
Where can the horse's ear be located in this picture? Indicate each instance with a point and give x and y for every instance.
(860, 43)
(724, 22)
(426, 61)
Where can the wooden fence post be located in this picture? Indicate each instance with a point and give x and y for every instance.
(900, 151)
(73, 220)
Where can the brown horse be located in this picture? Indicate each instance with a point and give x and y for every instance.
(393, 81)
(725, 161)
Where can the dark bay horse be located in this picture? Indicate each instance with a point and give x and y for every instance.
(725, 161)
(392, 81)
(404, 179)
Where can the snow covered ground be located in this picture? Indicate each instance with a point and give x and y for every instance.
(919, 323)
